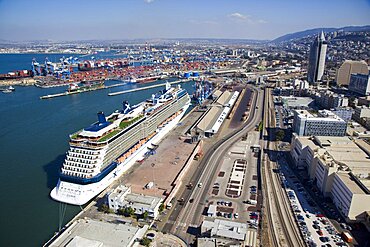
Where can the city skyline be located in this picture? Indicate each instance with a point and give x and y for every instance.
(135, 19)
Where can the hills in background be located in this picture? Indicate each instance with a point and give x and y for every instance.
(309, 32)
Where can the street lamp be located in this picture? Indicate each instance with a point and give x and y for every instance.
(155, 193)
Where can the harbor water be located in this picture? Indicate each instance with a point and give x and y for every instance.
(34, 139)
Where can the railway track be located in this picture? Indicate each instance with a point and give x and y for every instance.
(273, 236)
(289, 229)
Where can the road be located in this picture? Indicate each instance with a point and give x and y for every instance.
(190, 214)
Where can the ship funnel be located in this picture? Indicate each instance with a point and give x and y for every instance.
(101, 117)
(126, 107)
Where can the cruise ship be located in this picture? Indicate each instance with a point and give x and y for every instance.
(102, 152)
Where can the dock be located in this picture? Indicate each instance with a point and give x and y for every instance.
(50, 96)
(148, 87)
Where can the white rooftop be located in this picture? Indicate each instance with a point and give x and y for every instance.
(324, 115)
(226, 229)
(96, 234)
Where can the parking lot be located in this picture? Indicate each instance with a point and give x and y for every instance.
(234, 192)
(316, 229)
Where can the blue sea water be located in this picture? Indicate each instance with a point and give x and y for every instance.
(33, 141)
(11, 62)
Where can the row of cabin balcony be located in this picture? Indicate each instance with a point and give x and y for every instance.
(75, 174)
(84, 171)
(74, 164)
(87, 157)
(84, 161)
(81, 151)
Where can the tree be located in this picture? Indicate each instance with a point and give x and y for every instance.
(260, 126)
(145, 241)
(121, 211)
(161, 208)
(105, 208)
(280, 135)
(129, 212)
(145, 215)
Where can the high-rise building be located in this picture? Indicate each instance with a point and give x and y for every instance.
(316, 62)
(360, 84)
(350, 67)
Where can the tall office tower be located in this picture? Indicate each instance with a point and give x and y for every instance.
(316, 62)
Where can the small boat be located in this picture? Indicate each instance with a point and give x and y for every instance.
(10, 89)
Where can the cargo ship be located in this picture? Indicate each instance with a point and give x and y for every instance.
(146, 79)
(102, 152)
(89, 65)
(16, 75)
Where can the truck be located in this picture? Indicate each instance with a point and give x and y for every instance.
(149, 185)
(347, 237)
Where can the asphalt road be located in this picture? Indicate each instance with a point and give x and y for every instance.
(190, 213)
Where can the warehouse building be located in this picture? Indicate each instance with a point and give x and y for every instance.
(86, 232)
(211, 122)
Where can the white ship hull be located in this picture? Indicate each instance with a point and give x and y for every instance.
(78, 194)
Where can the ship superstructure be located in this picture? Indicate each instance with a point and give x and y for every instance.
(101, 152)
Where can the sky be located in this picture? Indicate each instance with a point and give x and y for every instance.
(22, 20)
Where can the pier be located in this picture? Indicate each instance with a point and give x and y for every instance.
(50, 96)
(148, 87)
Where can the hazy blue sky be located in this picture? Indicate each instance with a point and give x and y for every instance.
(127, 19)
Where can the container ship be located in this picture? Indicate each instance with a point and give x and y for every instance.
(16, 75)
(100, 153)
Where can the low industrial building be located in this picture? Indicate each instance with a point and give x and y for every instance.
(224, 229)
(121, 197)
(206, 242)
(324, 123)
(211, 122)
(328, 99)
(360, 113)
(363, 101)
(340, 169)
(344, 113)
(297, 102)
(86, 232)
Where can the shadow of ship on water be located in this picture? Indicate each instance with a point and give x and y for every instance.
(52, 171)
